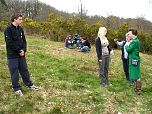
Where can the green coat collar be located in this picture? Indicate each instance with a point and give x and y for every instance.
(135, 37)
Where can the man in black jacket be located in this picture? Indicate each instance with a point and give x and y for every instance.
(16, 48)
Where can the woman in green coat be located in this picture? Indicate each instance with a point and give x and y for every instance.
(134, 60)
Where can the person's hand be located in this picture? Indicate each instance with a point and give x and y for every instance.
(22, 53)
(100, 61)
(127, 39)
(116, 39)
(112, 52)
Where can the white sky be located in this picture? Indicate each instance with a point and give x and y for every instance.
(120, 8)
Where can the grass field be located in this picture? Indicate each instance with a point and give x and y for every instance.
(69, 83)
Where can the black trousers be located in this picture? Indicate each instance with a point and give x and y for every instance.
(126, 68)
(16, 66)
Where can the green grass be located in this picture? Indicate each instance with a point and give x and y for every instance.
(69, 83)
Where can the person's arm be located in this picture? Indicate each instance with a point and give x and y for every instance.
(24, 41)
(9, 41)
(129, 48)
(98, 49)
(109, 49)
(89, 45)
(120, 43)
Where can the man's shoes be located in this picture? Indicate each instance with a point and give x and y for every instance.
(33, 87)
(19, 92)
(104, 84)
(138, 93)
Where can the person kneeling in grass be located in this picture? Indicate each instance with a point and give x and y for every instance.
(85, 45)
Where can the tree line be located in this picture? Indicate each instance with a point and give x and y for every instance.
(44, 20)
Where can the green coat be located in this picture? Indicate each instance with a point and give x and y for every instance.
(133, 53)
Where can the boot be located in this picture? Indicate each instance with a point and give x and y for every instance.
(138, 86)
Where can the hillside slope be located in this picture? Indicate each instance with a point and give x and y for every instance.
(69, 83)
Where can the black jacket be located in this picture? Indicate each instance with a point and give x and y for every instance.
(15, 41)
(86, 43)
(99, 48)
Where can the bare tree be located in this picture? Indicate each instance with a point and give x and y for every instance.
(3, 2)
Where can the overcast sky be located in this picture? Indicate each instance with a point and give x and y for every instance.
(121, 8)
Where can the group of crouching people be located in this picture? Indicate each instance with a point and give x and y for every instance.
(78, 42)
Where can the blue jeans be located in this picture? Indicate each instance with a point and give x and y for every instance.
(16, 66)
(70, 46)
(78, 44)
(85, 49)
